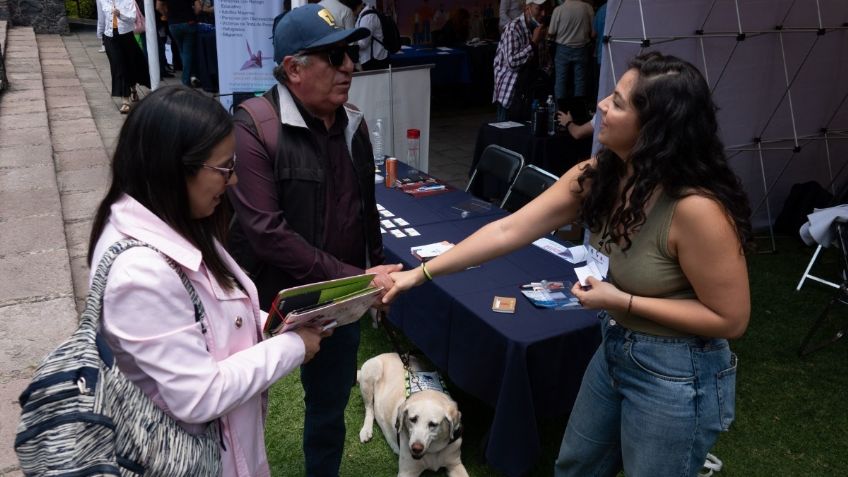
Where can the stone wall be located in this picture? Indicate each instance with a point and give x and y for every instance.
(45, 16)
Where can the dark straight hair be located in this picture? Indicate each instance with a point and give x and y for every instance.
(677, 149)
(165, 140)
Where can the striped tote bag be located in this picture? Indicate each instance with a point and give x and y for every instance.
(81, 416)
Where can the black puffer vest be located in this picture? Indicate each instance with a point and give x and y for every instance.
(300, 175)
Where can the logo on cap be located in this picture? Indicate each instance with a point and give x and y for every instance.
(327, 17)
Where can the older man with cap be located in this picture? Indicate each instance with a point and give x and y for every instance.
(305, 204)
(519, 44)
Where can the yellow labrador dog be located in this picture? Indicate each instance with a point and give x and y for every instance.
(424, 429)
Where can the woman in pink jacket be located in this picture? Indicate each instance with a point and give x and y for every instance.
(170, 172)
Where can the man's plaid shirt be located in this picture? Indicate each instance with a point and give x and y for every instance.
(514, 50)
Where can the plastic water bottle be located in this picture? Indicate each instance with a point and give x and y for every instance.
(534, 124)
(413, 138)
(551, 107)
(377, 144)
(539, 127)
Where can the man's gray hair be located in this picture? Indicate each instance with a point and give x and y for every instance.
(280, 75)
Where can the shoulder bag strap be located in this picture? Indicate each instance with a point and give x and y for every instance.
(94, 301)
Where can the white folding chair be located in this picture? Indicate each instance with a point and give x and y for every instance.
(808, 275)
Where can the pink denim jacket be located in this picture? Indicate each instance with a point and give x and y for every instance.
(148, 320)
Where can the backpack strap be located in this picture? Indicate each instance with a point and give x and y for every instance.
(374, 38)
(265, 119)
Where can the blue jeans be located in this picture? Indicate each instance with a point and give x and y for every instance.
(567, 57)
(185, 35)
(327, 380)
(651, 405)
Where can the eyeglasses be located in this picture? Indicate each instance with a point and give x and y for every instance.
(336, 55)
(227, 172)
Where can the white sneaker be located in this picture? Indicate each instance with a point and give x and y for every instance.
(102, 49)
(712, 465)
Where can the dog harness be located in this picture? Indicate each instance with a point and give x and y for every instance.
(417, 381)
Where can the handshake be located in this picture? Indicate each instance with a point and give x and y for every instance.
(383, 278)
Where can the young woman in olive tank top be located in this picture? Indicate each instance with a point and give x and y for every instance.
(665, 207)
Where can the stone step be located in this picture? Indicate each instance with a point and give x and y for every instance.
(80, 159)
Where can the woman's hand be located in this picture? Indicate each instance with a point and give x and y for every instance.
(563, 118)
(404, 281)
(311, 337)
(601, 295)
(382, 278)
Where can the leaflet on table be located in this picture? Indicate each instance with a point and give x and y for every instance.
(556, 295)
(431, 250)
(323, 304)
(571, 254)
(425, 188)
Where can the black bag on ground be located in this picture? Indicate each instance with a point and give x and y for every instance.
(802, 199)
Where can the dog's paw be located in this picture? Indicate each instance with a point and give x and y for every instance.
(365, 435)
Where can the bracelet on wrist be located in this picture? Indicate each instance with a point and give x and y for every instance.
(630, 304)
(426, 273)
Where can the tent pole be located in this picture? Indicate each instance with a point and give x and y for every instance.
(152, 43)
(642, 18)
(765, 197)
(788, 90)
(829, 164)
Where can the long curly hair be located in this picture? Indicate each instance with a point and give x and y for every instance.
(677, 149)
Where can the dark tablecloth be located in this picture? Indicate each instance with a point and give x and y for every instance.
(451, 67)
(527, 366)
(481, 61)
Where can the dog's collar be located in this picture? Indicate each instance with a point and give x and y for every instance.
(417, 381)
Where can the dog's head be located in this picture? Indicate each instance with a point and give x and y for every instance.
(431, 420)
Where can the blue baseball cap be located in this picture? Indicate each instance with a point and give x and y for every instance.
(310, 27)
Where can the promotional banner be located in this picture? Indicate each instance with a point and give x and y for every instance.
(245, 49)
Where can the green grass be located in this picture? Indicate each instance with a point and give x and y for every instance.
(790, 411)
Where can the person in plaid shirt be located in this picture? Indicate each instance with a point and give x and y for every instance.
(519, 43)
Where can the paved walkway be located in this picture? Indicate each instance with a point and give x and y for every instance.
(58, 126)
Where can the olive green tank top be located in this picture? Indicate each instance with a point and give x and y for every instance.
(647, 268)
